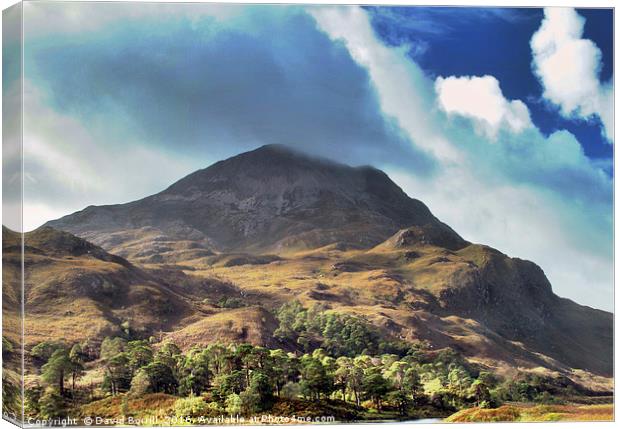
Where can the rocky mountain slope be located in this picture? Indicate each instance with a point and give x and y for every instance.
(270, 226)
(272, 199)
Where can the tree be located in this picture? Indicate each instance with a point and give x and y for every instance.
(51, 405)
(225, 384)
(161, 377)
(44, 350)
(459, 380)
(7, 347)
(111, 347)
(250, 402)
(400, 399)
(216, 354)
(32, 400)
(260, 386)
(314, 379)
(139, 354)
(56, 369)
(118, 374)
(10, 395)
(77, 364)
(291, 390)
(283, 369)
(412, 383)
(170, 355)
(396, 371)
(479, 390)
(195, 374)
(342, 375)
(375, 387)
(292, 318)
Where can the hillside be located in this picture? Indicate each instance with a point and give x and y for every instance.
(224, 248)
(74, 290)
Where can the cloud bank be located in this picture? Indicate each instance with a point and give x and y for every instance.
(568, 67)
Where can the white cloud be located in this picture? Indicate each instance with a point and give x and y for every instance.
(532, 197)
(568, 68)
(52, 18)
(66, 168)
(399, 82)
(490, 111)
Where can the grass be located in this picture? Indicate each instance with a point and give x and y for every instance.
(150, 405)
(535, 413)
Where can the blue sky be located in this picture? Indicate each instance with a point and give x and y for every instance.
(462, 41)
(498, 119)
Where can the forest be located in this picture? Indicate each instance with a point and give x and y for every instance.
(335, 364)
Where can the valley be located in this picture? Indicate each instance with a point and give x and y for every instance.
(355, 294)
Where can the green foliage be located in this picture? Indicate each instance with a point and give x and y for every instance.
(233, 404)
(140, 383)
(338, 334)
(10, 395)
(111, 347)
(118, 374)
(161, 378)
(375, 386)
(56, 369)
(291, 390)
(7, 347)
(169, 355)
(231, 302)
(52, 405)
(344, 361)
(139, 354)
(195, 374)
(315, 381)
(250, 402)
(232, 382)
(32, 401)
(44, 350)
(194, 406)
(260, 389)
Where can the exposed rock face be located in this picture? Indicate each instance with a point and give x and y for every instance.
(430, 234)
(270, 199)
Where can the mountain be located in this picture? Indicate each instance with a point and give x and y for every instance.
(272, 199)
(228, 245)
(75, 291)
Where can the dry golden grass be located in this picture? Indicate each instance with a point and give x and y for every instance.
(242, 325)
(400, 290)
(153, 404)
(536, 413)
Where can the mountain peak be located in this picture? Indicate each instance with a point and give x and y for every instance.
(273, 198)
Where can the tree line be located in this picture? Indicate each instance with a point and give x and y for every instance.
(330, 357)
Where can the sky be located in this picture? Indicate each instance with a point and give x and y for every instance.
(500, 120)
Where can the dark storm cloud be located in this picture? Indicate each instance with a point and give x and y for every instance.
(202, 89)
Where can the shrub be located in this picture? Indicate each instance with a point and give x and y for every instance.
(7, 347)
(190, 407)
(140, 383)
(233, 404)
(291, 390)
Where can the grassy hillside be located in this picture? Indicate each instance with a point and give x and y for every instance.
(472, 326)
